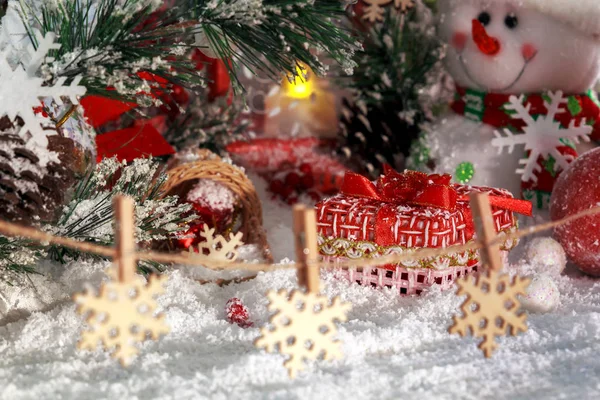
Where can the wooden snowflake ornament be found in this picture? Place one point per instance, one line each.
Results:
(375, 8)
(122, 314)
(492, 307)
(303, 328)
(404, 5)
(217, 248)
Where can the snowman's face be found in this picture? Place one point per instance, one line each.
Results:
(498, 46)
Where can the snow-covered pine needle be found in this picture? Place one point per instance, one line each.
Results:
(114, 44)
(89, 216)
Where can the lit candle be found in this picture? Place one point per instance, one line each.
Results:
(301, 107)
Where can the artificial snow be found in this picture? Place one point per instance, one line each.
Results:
(214, 195)
(394, 347)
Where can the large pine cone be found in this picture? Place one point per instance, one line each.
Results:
(375, 135)
(35, 183)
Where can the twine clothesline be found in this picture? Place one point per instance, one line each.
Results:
(14, 230)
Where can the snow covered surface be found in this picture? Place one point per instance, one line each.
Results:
(394, 347)
(212, 194)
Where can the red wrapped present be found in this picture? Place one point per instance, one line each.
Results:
(403, 212)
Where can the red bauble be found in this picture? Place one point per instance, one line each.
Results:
(576, 190)
(237, 313)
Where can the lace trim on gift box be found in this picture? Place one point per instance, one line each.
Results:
(341, 247)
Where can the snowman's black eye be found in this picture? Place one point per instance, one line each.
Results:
(511, 21)
(485, 18)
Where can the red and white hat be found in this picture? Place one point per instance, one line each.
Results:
(583, 15)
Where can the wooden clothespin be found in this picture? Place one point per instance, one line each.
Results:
(125, 259)
(307, 250)
(114, 310)
(486, 232)
(492, 305)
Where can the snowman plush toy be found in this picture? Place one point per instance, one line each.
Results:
(524, 73)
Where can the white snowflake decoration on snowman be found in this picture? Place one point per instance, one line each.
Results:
(541, 137)
(503, 48)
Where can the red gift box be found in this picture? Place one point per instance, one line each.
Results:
(404, 212)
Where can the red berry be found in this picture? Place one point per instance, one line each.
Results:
(292, 180)
(314, 195)
(276, 186)
(180, 95)
(237, 313)
(306, 169)
(308, 181)
(40, 110)
(292, 200)
(286, 192)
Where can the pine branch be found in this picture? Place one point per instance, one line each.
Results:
(398, 54)
(110, 42)
(89, 216)
(17, 257)
(273, 35)
(209, 125)
(391, 88)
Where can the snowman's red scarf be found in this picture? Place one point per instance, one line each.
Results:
(489, 109)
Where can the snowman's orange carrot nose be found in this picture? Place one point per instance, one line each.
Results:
(487, 44)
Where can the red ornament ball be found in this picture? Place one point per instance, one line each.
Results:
(237, 313)
(576, 190)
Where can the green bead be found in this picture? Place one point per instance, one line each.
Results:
(464, 172)
(420, 155)
(550, 166)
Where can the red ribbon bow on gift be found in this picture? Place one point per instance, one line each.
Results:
(420, 189)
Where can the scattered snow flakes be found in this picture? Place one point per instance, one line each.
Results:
(22, 87)
(542, 136)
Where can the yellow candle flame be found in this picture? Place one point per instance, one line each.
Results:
(301, 86)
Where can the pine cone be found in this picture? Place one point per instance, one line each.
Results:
(375, 135)
(34, 187)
